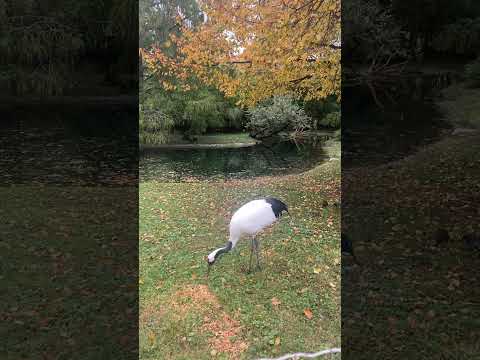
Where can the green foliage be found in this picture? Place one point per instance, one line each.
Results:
(154, 125)
(46, 39)
(278, 114)
(319, 110)
(472, 72)
(461, 37)
(203, 110)
(371, 32)
(194, 113)
(235, 118)
(44, 52)
(332, 120)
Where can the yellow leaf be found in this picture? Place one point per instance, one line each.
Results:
(151, 338)
(277, 341)
(316, 270)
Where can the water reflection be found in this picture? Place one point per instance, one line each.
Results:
(403, 118)
(280, 158)
(51, 145)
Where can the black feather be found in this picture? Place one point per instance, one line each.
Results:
(277, 206)
(346, 244)
(472, 241)
(347, 247)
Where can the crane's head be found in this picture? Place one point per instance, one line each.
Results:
(210, 262)
(215, 254)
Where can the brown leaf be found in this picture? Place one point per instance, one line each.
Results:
(275, 301)
(308, 313)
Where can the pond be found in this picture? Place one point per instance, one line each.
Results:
(70, 145)
(404, 119)
(224, 163)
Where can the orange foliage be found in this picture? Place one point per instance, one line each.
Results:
(253, 49)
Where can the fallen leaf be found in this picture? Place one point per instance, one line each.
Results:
(308, 313)
(316, 270)
(151, 338)
(275, 301)
(277, 341)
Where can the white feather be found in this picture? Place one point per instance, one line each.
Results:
(250, 219)
(211, 256)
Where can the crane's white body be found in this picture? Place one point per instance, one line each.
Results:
(251, 218)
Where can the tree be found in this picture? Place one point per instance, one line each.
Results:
(44, 42)
(255, 49)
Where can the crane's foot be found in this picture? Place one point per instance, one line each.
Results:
(251, 270)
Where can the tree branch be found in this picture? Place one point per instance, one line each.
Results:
(306, 355)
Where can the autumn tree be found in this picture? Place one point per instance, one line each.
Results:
(254, 49)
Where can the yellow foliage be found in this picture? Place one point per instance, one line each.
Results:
(254, 49)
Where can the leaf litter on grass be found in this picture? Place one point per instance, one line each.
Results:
(228, 318)
(224, 331)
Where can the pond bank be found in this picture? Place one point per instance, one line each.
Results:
(197, 146)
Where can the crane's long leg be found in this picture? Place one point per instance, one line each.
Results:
(257, 252)
(251, 255)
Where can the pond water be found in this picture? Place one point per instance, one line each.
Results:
(406, 119)
(222, 163)
(71, 145)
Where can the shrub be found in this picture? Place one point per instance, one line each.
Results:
(278, 114)
(472, 72)
(332, 120)
(154, 126)
(235, 118)
(461, 37)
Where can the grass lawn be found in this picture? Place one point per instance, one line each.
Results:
(419, 300)
(227, 138)
(461, 105)
(292, 305)
(59, 246)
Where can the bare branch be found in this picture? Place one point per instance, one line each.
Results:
(306, 355)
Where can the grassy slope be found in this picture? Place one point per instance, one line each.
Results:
(237, 315)
(422, 298)
(461, 106)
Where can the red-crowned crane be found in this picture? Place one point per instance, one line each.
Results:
(251, 218)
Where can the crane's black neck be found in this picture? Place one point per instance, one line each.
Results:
(277, 206)
(223, 250)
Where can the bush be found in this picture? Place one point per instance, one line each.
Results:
(278, 114)
(472, 72)
(154, 126)
(332, 120)
(461, 37)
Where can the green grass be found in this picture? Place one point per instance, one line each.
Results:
(461, 105)
(416, 297)
(220, 138)
(57, 241)
(235, 315)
